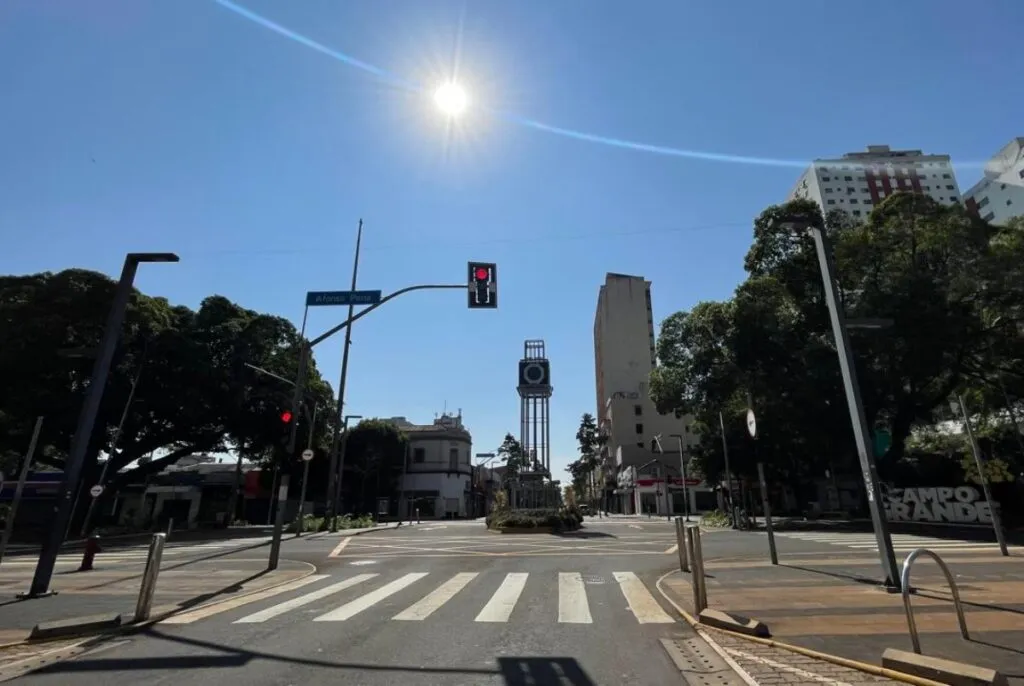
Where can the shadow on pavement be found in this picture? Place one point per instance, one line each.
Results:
(835, 575)
(582, 534)
(515, 671)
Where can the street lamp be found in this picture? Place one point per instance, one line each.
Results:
(958, 408)
(682, 473)
(336, 497)
(853, 399)
(87, 420)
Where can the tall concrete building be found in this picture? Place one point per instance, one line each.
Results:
(858, 181)
(1000, 193)
(624, 355)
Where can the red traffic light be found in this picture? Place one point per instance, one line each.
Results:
(286, 416)
(482, 274)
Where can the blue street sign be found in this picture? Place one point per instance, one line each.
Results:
(321, 298)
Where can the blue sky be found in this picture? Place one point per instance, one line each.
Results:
(180, 125)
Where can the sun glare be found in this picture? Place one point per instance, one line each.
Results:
(450, 99)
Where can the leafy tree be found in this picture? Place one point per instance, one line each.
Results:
(194, 393)
(590, 442)
(937, 272)
(511, 453)
(375, 455)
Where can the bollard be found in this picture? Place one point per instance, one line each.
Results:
(700, 593)
(418, 515)
(684, 560)
(92, 546)
(767, 506)
(170, 526)
(148, 587)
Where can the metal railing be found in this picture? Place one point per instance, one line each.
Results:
(905, 585)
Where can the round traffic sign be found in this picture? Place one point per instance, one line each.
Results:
(307, 455)
(751, 424)
(96, 491)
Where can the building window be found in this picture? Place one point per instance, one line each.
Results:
(638, 410)
(856, 213)
(848, 178)
(983, 202)
(853, 201)
(826, 178)
(453, 458)
(419, 455)
(949, 188)
(639, 428)
(1009, 202)
(831, 202)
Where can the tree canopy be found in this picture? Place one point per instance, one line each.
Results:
(590, 442)
(950, 283)
(194, 393)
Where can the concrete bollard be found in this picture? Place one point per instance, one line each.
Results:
(92, 546)
(700, 594)
(147, 588)
(684, 559)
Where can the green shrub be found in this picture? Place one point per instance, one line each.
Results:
(557, 520)
(716, 519)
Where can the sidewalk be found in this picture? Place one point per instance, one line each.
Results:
(835, 606)
(115, 590)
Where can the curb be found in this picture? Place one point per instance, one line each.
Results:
(827, 657)
(127, 626)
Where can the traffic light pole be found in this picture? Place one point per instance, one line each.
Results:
(299, 389)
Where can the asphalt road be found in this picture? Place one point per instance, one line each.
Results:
(427, 604)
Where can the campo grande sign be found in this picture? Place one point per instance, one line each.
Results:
(960, 505)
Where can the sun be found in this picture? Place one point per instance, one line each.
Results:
(451, 99)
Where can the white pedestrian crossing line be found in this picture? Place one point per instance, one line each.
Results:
(433, 602)
(641, 603)
(303, 600)
(349, 610)
(573, 607)
(499, 607)
(901, 542)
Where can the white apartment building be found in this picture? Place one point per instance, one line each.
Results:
(1000, 193)
(858, 181)
(624, 355)
(437, 470)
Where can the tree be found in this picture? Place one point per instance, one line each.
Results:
(939, 273)
(193, 395)
(582, 470)
(375, 454)
(511, 453)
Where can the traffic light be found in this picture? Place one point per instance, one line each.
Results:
(483, 285)
(286, 417)
(287, 420)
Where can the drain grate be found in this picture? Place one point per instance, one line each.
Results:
(699, 664)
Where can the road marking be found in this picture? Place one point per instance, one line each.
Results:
(340, 547)
(671, 550)
(572, 599)
(294, 603)
(217, 608)
(438, 597)
(499, 607)
(641, 603)
(802, 673)
(349, 610)
(635, 526)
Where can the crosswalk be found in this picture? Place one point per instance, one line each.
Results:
(900, 542)
(131, 554)
(481, 597)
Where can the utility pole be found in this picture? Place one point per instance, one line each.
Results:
(333, 477)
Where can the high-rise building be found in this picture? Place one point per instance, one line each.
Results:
(1000, 193)
(624, 355)
(858, 181)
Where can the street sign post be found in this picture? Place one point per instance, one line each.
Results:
(332, 298)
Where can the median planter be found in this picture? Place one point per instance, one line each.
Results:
(522, 530)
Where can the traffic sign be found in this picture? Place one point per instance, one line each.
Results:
(96, 491)
(328, 298)
(307, 455)
(751, 424)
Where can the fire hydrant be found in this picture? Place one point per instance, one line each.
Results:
(92, 546)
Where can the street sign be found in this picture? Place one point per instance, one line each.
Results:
(329, 298)
(96, 491)
(307, 455)
(751, 424)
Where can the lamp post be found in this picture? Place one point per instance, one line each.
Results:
(958, 407)
(854, 401)
(682, 473)
(87, 420)
(336, 496)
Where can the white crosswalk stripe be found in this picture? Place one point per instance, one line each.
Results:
(463, 596)
(901, 542)
(138, 553)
